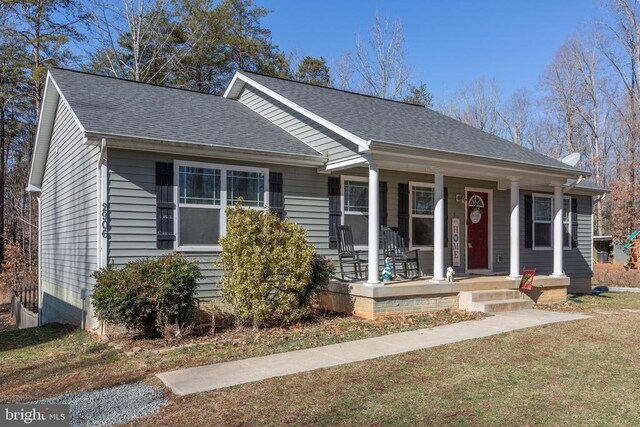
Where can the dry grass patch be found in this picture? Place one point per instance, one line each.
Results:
(574, 373)
(55, 359)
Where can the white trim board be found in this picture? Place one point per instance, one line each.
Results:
(362, 144)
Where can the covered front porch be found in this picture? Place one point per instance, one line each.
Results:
(486, 219)
(477, 218)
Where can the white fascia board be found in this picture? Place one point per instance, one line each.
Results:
(129, 142)
(395, 149)
(362, 144)
(343, 164)
(43, 134)
(52, 94)
(73, 114)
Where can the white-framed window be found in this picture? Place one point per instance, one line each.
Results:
(566, 223)
(355, 208)
(421, 207)
(203, 191)
(542, 221)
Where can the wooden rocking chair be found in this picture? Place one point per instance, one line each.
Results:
(348, 255)
(393, 246)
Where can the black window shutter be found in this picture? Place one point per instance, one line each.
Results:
(276, 196)
(574, 222)
(335, 211)
(528, 221)
(403, 212)
(165, 205)
(446, 217)
(383, 203)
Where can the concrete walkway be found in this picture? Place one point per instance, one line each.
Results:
(220, 375)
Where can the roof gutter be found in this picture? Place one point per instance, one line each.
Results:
(571, 186)
(128, 142)
(453, 157)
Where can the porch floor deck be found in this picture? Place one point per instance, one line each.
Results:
(423, 285)
(410, 297)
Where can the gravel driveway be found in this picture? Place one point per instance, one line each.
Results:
(109, 406)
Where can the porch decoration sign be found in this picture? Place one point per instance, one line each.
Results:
(455, 242)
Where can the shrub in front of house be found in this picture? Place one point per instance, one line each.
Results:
(148, 295)
(270, 272)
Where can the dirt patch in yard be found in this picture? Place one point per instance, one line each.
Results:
(314, 331)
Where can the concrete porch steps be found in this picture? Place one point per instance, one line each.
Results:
(494, 301)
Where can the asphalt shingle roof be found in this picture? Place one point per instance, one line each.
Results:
(107, 105)
(383, 120)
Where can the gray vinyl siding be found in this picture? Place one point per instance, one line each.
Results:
(68, 221)
(334, 146)
(577, 261)
(132, 205)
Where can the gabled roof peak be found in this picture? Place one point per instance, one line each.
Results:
(333, 88)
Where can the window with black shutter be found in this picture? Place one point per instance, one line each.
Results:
(335, 210)
(403, 211)
(528, 221)
(165, 206)
(574, 222)
(276, 196)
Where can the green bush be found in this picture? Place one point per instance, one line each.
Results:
(270, 272)
(148, 294)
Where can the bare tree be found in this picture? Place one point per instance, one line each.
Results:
(380, 60)
(560, 85)
(139, 39)
(476, 104)
(342, 70)
(594, 110)
(516, 116)
(620, 45)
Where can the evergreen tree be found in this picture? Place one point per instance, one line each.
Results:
(314, 70)
(419, 95)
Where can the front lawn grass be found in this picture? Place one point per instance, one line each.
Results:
(55, 359)
(576, 373)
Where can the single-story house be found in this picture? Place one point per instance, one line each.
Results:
(126, 170)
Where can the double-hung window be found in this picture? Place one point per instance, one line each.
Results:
(566, 223)
(542, 221)
(421, 222)
(356, 208)
(204, 191)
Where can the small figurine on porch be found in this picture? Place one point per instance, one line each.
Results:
(387, 271)
(450, 273)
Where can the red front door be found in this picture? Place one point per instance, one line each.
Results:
(477, 230)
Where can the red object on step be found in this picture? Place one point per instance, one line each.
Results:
(527, 279)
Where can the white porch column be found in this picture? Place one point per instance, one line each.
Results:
(438, 230)
(374, 225)
(514, 255)
(558, 233)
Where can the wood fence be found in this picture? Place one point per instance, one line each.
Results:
(24, 306)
